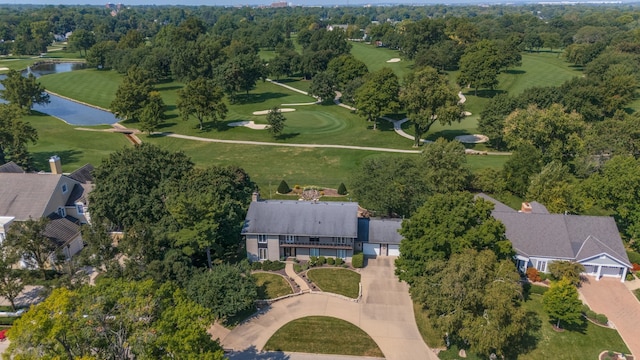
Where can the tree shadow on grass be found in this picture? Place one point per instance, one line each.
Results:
(253, 353)
(579, 328)
(447, 134)
(41, 159)
(258, 98)
(529, 341)
(169, 88)
(515, 72)
(287, 136)
(486, 93)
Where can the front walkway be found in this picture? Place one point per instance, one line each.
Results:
(611, 297)
(385, 313)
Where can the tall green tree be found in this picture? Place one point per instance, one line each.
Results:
(225, 289)
(132, 94)
(139, 172)
(568, 270)
(15, 134)
(428, 97)
(378, 95)
(323, 86)
(562, 304)
(23, 91)
(444, 166)
(346, 68)
(115, 319)
(203, 99)
(391, 186)
(557, 189)
(11, 285)
(276, 121)
(34, 247)
(448, 224)
(525, 162)
(82, 39)
(210, 209)
(152, 113)
(474, 299)
(480, 65)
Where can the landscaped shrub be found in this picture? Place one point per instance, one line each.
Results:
(313, 261)
(342, 190)
(7, 320)
(590, 314)
(297, 268)
(339, 261)
(635, 267)
(602, 319)
(357, 261)
(256, 265)
(634, 257)
(283, 188)
(305, 266)
(273, 265)
(331, 261)
(537, 289)
(533, 275)
(545, 276)
(629, 277)
(322, 260)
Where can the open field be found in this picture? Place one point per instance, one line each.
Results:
(74, 147)
(323, 335)
(583, 343)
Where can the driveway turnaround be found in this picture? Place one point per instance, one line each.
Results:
(612, 298)
(385, 313)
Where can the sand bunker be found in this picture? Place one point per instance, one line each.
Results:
(265, 112)
(466, 113)
(4, 68)
(472, 139)
(393, 60)
(249, 124)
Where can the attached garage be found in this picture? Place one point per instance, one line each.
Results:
(371, 249)
(394, 250)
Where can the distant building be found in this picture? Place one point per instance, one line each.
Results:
(279, 4)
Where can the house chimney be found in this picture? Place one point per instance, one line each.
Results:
(255, 196)
(526, 208)
(56, 165)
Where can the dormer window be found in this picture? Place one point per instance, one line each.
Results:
(80, 208)
(62, 212)
(64, 188)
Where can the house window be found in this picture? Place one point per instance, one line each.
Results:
(314, 252)
(290, 239)
(314, 239)
(341, 240)
(262, 253)
(64, 188)
(62, 212)
(79, 208)
(262, 239)
(541, 266)
(342, 254)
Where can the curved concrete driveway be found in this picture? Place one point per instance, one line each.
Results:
(385, 313)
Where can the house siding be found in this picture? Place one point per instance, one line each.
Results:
(58, 198)
(273, 243)
(252, 247)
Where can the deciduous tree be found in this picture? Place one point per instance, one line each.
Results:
(23, 91)
(15, 134)
(10, 283)
(568, 270)
(378, 95)
(323, 86)
(276, 120)
(428, 97)
(444, 166)
(152, 113)
(132, 94)
(203, 99)
(562, 304)
(29, 240)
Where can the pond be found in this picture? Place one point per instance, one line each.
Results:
(69, 111)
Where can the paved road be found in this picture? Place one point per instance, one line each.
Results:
(612, 298)
(385, 313)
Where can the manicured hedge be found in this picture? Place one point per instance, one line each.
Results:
(357, 261)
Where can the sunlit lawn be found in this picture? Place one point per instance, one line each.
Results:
(338, 281)
(376, 58)
(323, 335)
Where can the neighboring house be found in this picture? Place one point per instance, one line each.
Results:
(59, 197)
(540, 238)
(342, 27)
(276, 229)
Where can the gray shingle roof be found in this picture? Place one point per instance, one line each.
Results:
(385, 231)
(302, 218)
(11, 167)
(538, 208)
(497, 205)
(26, 195)
(61, 230)
(83, 175)
(572, 237)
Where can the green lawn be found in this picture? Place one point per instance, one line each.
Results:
(636, 292)
(271, 286)
(545, 343)
(338, 281)
(323, 335)
(91, 86)
(74, 147)
(376, 59)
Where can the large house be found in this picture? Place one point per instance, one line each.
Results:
(276, 229)
(540, 238)
(59, 197)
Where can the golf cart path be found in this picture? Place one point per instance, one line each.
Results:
(385, 314)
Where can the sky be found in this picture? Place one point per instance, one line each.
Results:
(294, 2)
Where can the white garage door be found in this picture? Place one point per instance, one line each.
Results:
(371, 249)
(394, 250)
